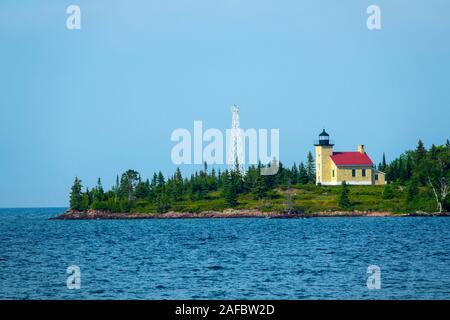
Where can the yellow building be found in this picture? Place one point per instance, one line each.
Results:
(352, 167)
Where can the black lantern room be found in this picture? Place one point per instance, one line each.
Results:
(324, 139)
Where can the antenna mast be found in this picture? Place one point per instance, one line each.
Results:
(235, 159)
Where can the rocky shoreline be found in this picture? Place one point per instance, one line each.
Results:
(229, 213)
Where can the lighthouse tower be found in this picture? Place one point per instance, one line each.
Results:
(324, 150)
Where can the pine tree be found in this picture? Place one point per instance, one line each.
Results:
(294, 174)
(229, 190)
(212, 180)
(310, 168)
(75, 195)
(420, 152)
(142, 190)
(420, 163)
(433, 152)
(98, 192)
(178, 188)
(153, 193)
(302, 174)
(344, 201)
(160, 180)
(259, 187)
(383, 163)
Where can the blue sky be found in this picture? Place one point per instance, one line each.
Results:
(97, 101)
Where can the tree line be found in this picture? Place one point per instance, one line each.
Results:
(161, 192)
(420, 172)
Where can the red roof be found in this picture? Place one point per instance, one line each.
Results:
(351, 159)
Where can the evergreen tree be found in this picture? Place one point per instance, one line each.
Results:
(310, 169)
(160, 180)
(212, 180)
(153, 193)
(98, 192)
(229, 190)
(420, 152)
(142, 190)
(259, 187)
(178, 187)
(294, 174)
(75, 195)
(250, 178)
(281, 175)
(383, 163)
(433, 152)
(344, 201)
(302, 174)
(420, 163)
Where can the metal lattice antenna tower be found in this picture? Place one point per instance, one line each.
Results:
(235, 154)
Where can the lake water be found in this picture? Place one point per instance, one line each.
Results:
(320, 258)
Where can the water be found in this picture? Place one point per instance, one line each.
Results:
(321, 258)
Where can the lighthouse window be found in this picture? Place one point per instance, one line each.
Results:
(363, 172)
(333, 173)
(353, 172)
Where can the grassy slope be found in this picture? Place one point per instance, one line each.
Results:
(310, 198)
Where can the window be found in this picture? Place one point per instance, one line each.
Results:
(333, 173)
(363, 172)
(376, 177)
(353, 172)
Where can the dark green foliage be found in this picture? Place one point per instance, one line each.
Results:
(142, 190)
(420, 151)
(162, 202)
(259, 188)
(412, 191)
(344, 200)
(416, 179)
(302, 174)
(128, 183)
(85, 201)
(178, 187)
(230, 188)
(310, 169)
(426, 168)
(75, 195)
(383, 163)
(388, 192)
